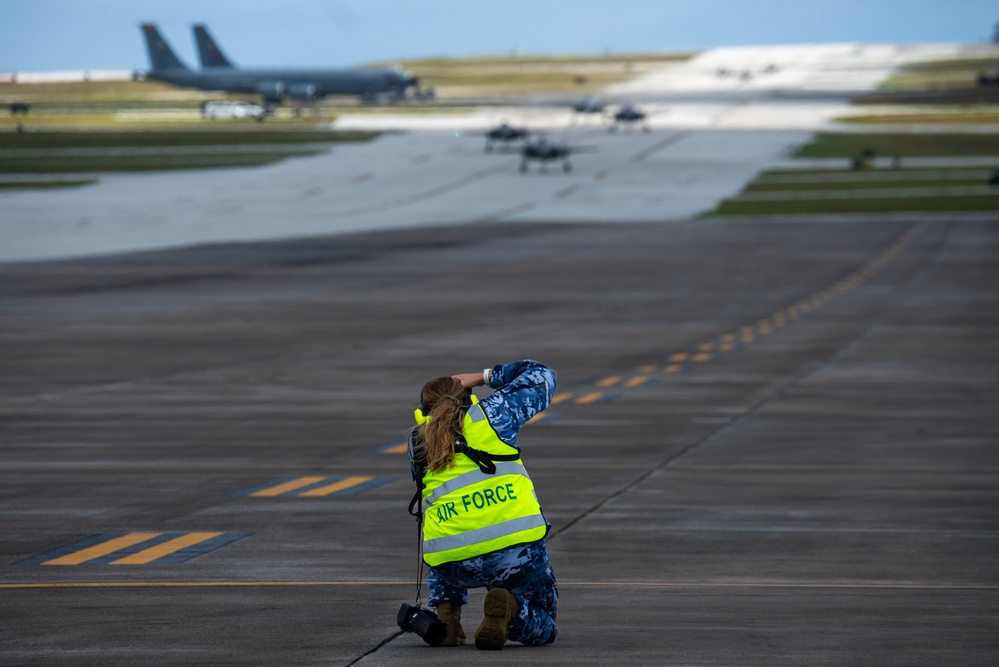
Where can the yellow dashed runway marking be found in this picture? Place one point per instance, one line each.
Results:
(159, 551)
(750, 332)
(287, 487)
(103, 549)
(135, 548)
(589, 398)
(316, 486)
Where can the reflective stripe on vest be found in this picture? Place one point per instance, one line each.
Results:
(470, 513)
(471, 537)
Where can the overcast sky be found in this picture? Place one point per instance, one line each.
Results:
(104, 34)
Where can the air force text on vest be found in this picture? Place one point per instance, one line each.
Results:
(477, 500)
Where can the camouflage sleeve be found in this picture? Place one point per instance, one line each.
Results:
(523, 389)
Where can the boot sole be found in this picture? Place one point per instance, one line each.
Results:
(491, 634)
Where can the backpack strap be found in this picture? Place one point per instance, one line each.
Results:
(485, 460)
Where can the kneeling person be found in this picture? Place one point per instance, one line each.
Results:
(483, 526)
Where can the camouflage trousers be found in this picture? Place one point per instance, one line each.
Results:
(524, 570)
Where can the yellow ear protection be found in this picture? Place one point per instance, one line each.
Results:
(421, 417)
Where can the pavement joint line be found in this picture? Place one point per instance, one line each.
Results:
(570, 583)
(660, 145)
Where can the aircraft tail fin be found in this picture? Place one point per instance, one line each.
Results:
(161, 56)
(208, 50)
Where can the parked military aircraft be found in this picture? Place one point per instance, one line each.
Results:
(588, 105)
(209, 53)
(505, 134)
(544, 151)
(629, 115)
(273, 85)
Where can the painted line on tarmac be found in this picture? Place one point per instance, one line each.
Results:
(392, 448)
(743, 335)
(135, 548)
(594, 584)
(315, 486)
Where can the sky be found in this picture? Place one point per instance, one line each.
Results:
(48, 35)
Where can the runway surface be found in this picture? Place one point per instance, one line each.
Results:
(774, 441)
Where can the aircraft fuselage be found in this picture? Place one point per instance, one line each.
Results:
(275, 85)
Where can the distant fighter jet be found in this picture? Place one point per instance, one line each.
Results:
(588, 105)
(273, 85)
(505, 134)
(629, 115)
(544, 152)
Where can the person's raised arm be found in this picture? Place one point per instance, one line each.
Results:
(522, 390)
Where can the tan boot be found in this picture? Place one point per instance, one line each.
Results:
(500, 608)
(449, 614)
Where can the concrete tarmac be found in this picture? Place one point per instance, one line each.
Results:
(774, 442)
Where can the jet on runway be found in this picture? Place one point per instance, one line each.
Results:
(504, 134)
(545, 151)
(589, 105)
(628, 114)
(273, 85)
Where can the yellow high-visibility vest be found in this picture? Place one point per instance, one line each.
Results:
(469, 512)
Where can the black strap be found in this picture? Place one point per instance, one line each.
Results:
(485, 460)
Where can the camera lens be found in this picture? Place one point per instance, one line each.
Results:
(422, 622)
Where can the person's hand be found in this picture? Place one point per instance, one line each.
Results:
(469, 380)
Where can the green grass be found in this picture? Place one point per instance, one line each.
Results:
(131, 163)
(519, 75)
(38, 162)
(834, 145)
(763, 186)
(914, 171)
(936, 83)
(45, 185)
(254, 133)
(887, 205)
(955, 116)
(871, 181)
(937, 74)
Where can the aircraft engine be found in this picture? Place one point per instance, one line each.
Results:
(304, 92)
(271, 91)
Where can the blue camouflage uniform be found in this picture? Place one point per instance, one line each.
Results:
(522, 390)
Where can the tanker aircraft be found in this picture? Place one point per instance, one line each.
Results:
(273, 85)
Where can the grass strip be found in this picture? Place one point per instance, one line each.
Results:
(830, 145)
(45, 185)
(893, 205)
(253, 134)
(762, 186)
(974, 115)
(955, 73)
(851, 175)
(128, 163)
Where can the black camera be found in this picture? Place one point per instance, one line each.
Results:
(423, 622)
